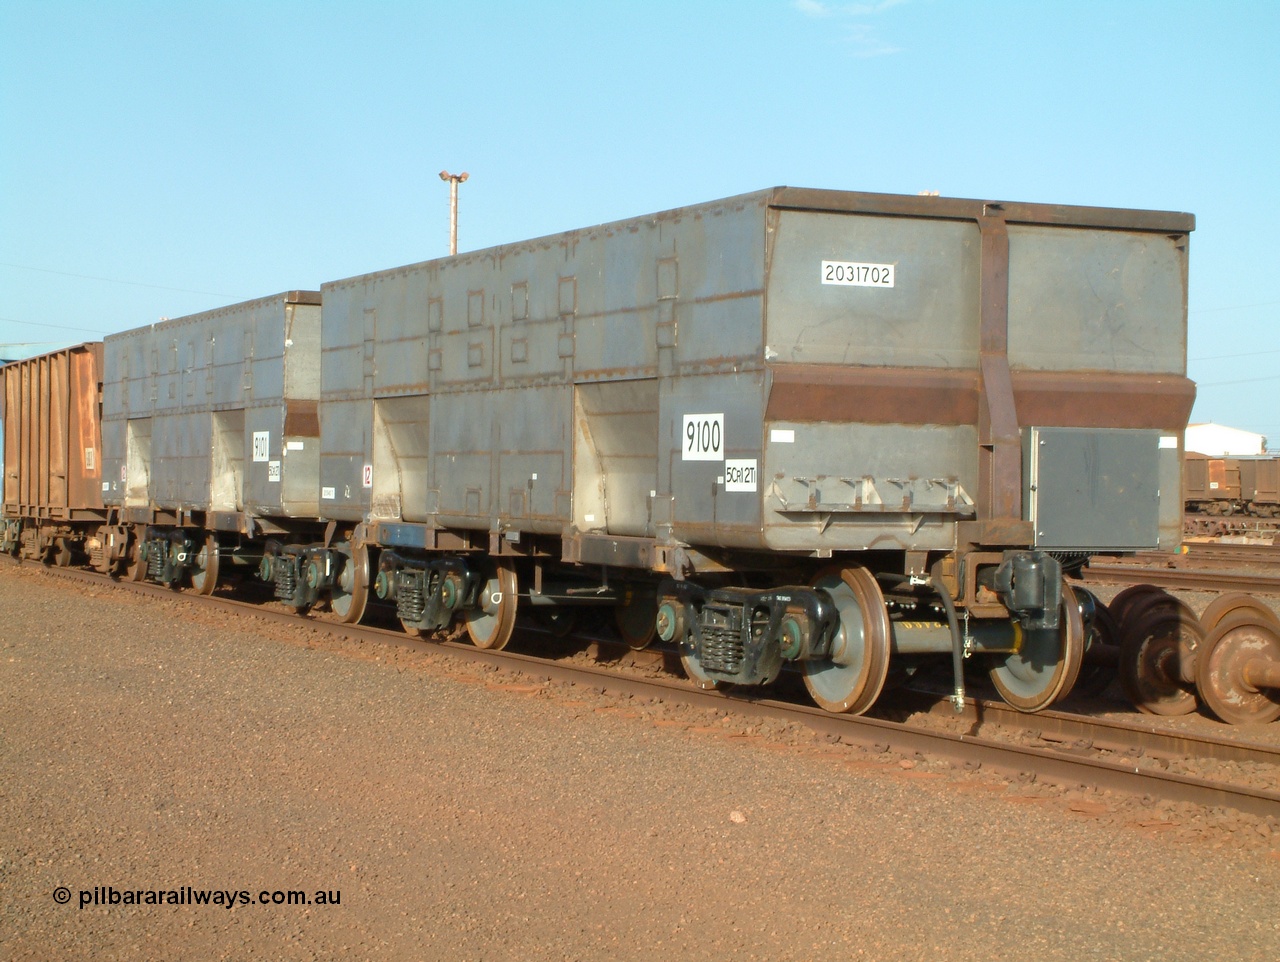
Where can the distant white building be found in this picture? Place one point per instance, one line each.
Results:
(1217, 440)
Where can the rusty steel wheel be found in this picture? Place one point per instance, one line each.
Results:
(692, 664)
(1123, 603)
(559, 621)
(853, 677)
(62, 553)
(491, 624)
(1230, 603)
(204, 573)
(1238, 669)
(136, 570)
(1158, 660)
(349, 597)
(637, 618)
(1097, 672)
(1045, 666)
(1143, 605)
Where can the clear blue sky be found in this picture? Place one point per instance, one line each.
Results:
(162, 158)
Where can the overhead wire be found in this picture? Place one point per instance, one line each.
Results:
(60, 327)
(1243, 380)
(116, 280)
(1233, 307)
(1224, 357)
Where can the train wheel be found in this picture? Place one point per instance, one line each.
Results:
(1097, 673)
(491, 624)
(559, 621)
(204, 574)
(1148, 605)
(1238, 669)
(351, 594)
(1157, 659)
(692, 665)
(1230, 603)
(637, 619)
(853, 677)
(1046, 664)
(136, 570)
(62, 553)
(1127, 599)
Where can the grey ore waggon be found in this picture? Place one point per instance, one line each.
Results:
(846, 431)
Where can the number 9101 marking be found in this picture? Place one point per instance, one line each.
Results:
(851, 274)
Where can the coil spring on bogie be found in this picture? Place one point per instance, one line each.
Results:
(286, 572)
(411, 596)
(722, 649)
(156, 559)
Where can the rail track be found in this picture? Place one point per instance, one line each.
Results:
(1135, 758)
(1209, 567)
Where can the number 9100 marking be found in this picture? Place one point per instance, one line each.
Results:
(703, 437)
(852, 274)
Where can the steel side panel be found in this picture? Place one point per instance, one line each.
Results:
(1087, 299)
(535, 461)
(180, 461)
(345, 447)
(114, 443)
(262, 495)
(11, 375)
(465, 436)
(51, 445)
(584, 305)
(705, 512)
(927, 319)
(84, 483)
(901, 474)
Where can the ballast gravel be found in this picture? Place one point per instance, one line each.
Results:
(449, 812)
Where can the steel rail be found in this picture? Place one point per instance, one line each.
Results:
(1106, 734)
(873, 734)
(1201, 553)
(1190, 579)
(1266, 554)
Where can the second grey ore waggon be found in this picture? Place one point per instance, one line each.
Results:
(850, 432)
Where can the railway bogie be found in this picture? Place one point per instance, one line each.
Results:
(841, 432)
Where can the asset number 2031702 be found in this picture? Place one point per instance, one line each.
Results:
(852, 274)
